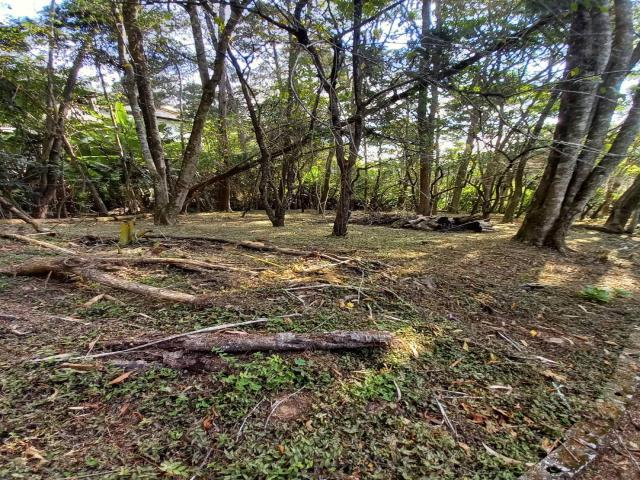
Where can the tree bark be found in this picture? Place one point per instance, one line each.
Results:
(424, 124)
(286, 341)
(583, 183)
(624, 208)
(146, 102)
(53, 145)
(578, 87)
(463, 164)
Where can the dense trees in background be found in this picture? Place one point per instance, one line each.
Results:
(526, 109)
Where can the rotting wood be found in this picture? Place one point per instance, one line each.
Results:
(38, 243)
(86, 270)
(184, 263)
(473, 223)
(242, 342)
(6, 203)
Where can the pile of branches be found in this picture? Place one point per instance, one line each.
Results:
(473, 223)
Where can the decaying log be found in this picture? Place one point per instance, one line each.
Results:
(37, 243)
(86, 270)
(472, 223)
(242, 342)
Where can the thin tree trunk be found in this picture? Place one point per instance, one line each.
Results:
(326, 182)
(145, 99)
(424, 122)
(463, 165)
(624, 208)
(14, 209)
(53, 146)
(77, 165)
(518, 184)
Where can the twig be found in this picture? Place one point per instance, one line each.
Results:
(445, 417)
(244, 421)
(629, 454)
(280, 402)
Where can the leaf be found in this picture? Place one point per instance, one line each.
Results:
(465, 346)
(533, 333)
(504, 459)
(33, 453)
(547, 445)
(121, 378)
(455, 363)
(465, 447)
(554, 376)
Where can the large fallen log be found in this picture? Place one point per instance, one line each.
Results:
(473, 223)
(37, 243)
(85, 269)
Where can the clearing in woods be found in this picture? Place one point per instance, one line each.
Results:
(499, 348)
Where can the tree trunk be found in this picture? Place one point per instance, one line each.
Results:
(53, 145)
(326, 182)
(95, 193)
(624, 208)
(424, 122)
(583, 182)
(146, 102)
(463, 165)
(6, 203)
(579, 85)
(518, 184)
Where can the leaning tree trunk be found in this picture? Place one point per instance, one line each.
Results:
(578, 87)
(624, 208)
(518, 190)
(53, 145)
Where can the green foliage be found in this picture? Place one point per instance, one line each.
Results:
(603, 294)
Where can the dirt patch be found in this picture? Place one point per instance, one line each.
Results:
(290, 408)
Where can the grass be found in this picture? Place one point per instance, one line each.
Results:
(471, 340)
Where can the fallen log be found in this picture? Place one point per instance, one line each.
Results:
(242, 342)
(6, 203)
(37, 243)
(473, 223)
(86, 270)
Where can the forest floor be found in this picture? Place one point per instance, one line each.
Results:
(486, 377)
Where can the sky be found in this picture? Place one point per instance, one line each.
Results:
(20, 8)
